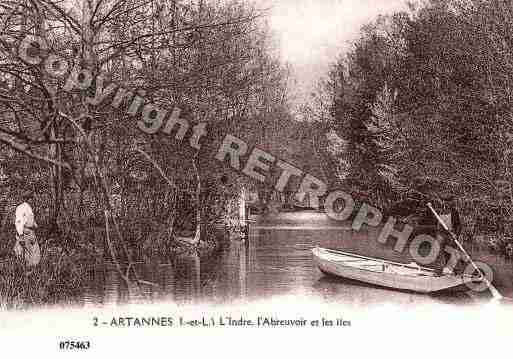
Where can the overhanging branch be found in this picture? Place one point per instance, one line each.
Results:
(24, 149)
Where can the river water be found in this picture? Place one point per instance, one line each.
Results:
(276, 260)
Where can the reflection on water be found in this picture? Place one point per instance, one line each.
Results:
(276, 260)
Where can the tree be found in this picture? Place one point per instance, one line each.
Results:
(211, 60)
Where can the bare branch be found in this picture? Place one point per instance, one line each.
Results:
(24, 149)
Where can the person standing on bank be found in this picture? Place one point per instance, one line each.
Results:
(26, 247)
(453, 222)
(455, 216)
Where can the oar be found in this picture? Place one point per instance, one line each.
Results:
(496, 294)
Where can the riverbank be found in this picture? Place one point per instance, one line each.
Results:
(59, 278)
(275, 260)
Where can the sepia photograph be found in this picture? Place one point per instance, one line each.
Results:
(274, 177)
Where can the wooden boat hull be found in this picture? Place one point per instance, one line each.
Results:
(409, 277)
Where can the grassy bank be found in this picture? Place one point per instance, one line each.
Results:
(56, 280)
(61, 277)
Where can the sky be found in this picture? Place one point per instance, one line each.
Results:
(311, 33)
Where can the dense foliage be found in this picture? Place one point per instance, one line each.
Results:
(211, 59)
(424, 96)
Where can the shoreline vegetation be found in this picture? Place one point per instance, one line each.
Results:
(60, 277)
(123, 196)
(67, 254)
(421, 104)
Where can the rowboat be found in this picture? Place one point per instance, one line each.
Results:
(384, 273)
